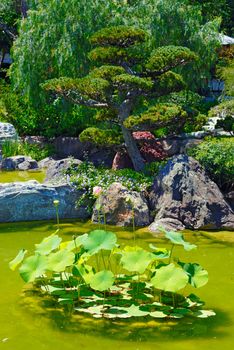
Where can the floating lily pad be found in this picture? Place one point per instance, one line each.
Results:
(170, 278)
(17, 260)
(204, 313)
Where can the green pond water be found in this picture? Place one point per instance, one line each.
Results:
(12, 176)
(28, 321)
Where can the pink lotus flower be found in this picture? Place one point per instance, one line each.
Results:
(97, 191)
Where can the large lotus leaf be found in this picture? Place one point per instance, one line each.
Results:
(198, 277)
(99, 239)
(48, 244)
(58, 261)
(177, 238)
(33, 267)
(102, 280)
(136, 261)
(17, 260)
(75, 243)
(170, 278)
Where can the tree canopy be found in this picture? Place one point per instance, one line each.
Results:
(125, 77)
(53, 40)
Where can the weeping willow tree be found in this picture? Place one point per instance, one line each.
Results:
(125, 79)
(53, 40)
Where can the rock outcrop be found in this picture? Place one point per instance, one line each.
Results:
(18, 163)
(56, 170)
(115, 207)
(28, 201)
(183, 196)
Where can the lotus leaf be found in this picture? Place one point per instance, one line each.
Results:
(48, 244)
(17, 260)
(136, 261)
(98, 240)
(58, 261)
(177, 238)
(170, 278)
(33, 267)
(102, 280)
(198, 277)
(85, 271)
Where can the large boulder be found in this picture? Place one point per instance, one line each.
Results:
(183, 196)
(115, 207)
(7, 133)
(19, 163)
(56, 170)
(27, 201)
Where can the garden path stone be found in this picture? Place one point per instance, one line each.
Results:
(182, 191)
(29, 201)
(116, 203)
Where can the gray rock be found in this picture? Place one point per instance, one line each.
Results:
(116, 204)
(7, 133)
(27, 201)
(19, 163)
(46, 162)
(182, 191)
(56, 169)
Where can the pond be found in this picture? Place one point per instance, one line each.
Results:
(12, 176)
(28, 321)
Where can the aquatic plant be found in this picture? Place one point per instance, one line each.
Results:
(92, 274)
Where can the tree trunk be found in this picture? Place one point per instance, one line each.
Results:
(132, 149)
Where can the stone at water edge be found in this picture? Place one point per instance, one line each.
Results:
(29, 201)
(183, 193)
(7, 133)
(18, 163)
(116, 203)
(56, 168)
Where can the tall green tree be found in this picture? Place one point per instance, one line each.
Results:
(53, 40)
(124, 80)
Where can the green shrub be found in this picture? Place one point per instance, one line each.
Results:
(87, 176)
(10, 149)
(217, 156)
(225, 111)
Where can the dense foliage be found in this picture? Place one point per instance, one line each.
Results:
(50, 120)
(53, 41)
(10, 149)
(94, 275)
(216, 155)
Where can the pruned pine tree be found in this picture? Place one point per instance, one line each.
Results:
(124, 79)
